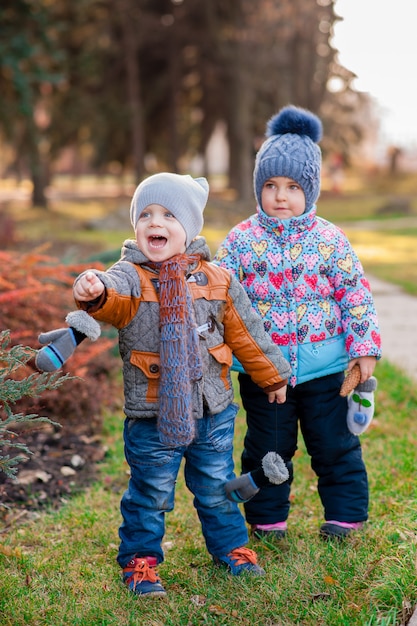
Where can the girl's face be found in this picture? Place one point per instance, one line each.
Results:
(283, 198)
(159, 234)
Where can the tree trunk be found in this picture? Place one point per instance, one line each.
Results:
(133, 87)
(37, 167)
(173, 91)
(239, 125)
(39, 198)
(240, 139)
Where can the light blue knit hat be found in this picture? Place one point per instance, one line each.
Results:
(291, 150)
(184, 196)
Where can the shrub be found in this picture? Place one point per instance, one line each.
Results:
(35, 296)
(11, 391)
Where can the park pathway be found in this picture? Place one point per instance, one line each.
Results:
(397, 313)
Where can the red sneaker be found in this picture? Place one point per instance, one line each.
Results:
(239, 561)
(140, 577)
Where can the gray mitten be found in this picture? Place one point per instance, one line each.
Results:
(61, 343)
(361, 406)
(273, 471)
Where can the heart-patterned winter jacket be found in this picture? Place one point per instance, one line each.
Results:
(307, 284)
(225, 320)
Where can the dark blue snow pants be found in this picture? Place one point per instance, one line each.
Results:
(336, 454)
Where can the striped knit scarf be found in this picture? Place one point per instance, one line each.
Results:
(180, 360)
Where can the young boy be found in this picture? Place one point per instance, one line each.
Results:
(180, 318)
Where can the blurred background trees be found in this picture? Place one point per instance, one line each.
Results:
(135, 86)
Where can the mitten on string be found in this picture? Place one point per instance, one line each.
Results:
(273, 471)
(61, 342)
(361, 406)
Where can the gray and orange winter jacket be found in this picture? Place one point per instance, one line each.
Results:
(226, 325)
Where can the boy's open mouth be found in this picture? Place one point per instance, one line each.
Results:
(156, 241)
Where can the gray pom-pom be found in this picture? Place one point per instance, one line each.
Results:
(84, 323)
(274, 468)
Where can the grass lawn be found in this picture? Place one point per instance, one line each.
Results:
(389, 255)
(59, 568)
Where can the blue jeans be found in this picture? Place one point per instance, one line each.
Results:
(150, 494)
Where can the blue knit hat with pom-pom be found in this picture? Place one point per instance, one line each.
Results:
(291, 150)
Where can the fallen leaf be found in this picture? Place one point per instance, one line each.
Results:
(8, 551)
(27, 477)
(329, 580)
(217, 610)
(66, 470)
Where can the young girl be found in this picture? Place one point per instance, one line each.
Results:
(306, 282)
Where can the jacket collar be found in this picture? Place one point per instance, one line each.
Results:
(292, 226)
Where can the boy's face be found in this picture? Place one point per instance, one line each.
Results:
(283, 198)
(159, 234)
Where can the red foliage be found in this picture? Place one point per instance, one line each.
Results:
(35, 297)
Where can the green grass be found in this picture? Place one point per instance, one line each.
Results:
(390, 255)
(59, 568)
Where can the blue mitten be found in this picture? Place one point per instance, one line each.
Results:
(361, 406)
(61, 343)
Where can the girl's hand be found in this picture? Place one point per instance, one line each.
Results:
(367, 365)
(88, 287)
